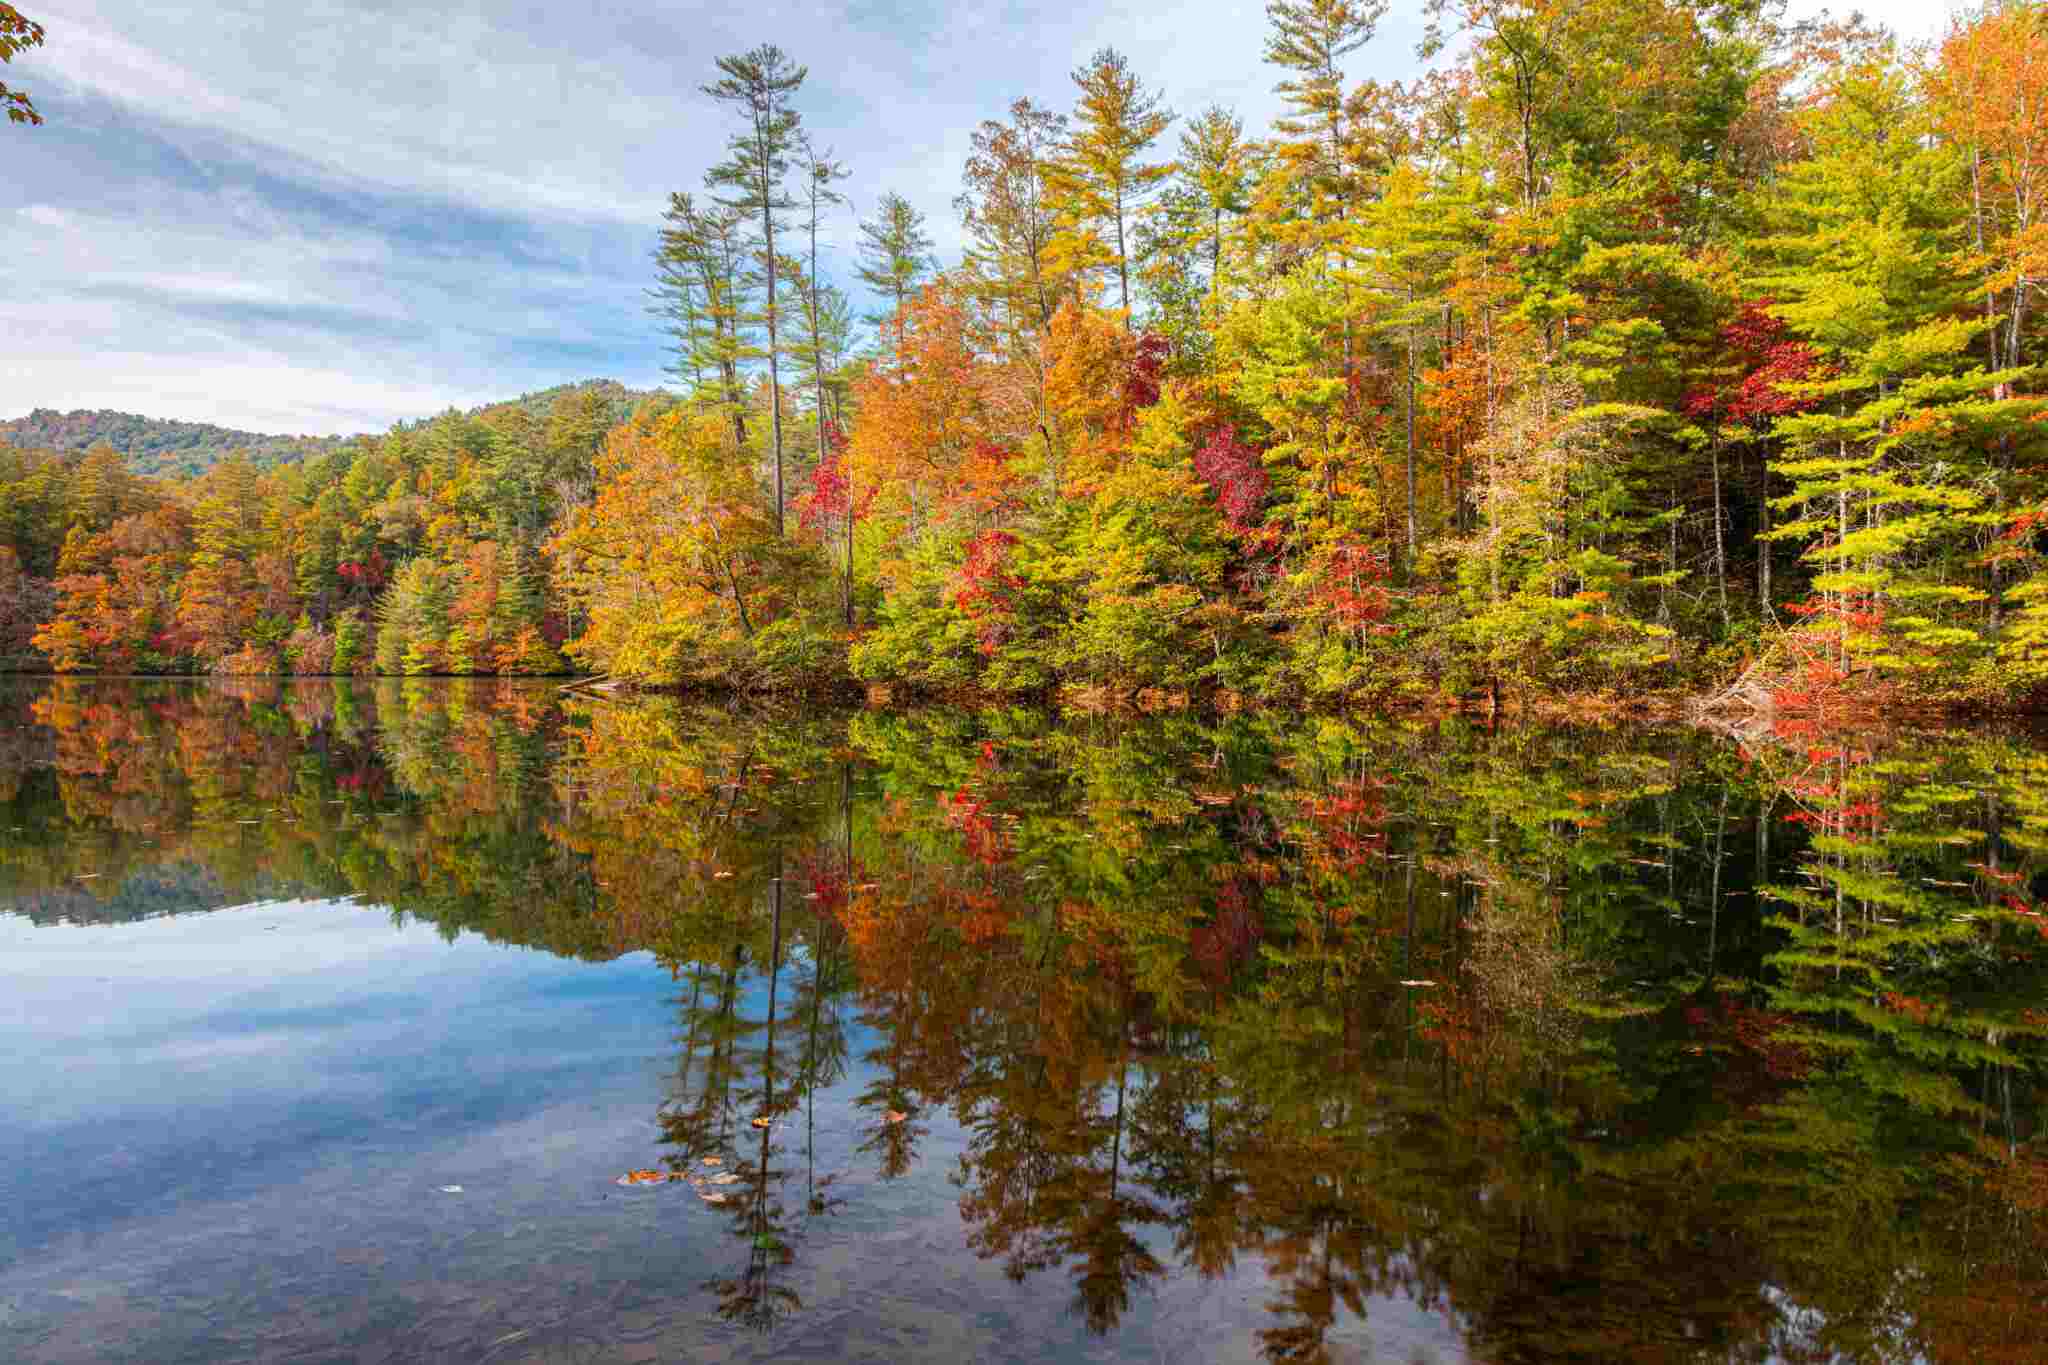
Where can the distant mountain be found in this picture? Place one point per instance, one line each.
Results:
(162, 447)
(623, 400)
(157, 445)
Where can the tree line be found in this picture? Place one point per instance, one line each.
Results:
(155, 445)
(1625, 347)
(421, 551)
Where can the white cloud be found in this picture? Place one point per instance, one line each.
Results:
(45, 216)
(452, 199)
(258, 392)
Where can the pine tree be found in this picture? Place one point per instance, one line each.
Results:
(705, 291)
(758, 85)
(1310, 39)
(1216, 169)
(1100, 174)
(823, 341)
(1864, 268)
(895, 255)
(820, 174)
(1409, 241)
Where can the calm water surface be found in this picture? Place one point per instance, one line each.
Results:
(331, 1015)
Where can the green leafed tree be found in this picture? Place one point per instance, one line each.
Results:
(757, 87)
(895, 255)
(704, 288)
(820, 176)
(1101, 174)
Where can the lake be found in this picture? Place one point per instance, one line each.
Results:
(333, 1014)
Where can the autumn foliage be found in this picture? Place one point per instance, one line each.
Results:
(1630, 350)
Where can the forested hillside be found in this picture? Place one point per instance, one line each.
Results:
(165, 448)
(1628, 347)
(244, 569)
(155, 445)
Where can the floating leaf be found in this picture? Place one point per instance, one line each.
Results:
(896, 1116)
(763, 1122)
(714, 1161)
(711, 1197)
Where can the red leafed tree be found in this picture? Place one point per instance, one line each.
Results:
(1763, 357)
(986, 842)
(1148, 370)
(985, 589)
(1231, 934)
(365, 576)
(828, 499)
(1234, 473)
(1350, 581)
(828, 508)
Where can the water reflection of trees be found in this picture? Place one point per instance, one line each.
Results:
(1599, 1045)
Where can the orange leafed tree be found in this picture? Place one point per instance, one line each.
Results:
(215, 608)
(931, 439)
(117, 592)
(18, 32)
(1989, 82)
(676, 564)
(1098, 374)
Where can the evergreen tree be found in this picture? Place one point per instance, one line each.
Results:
(823, 341)
(820, 174)
(1864, 266)
(1100, 175)
(895, 255)
(757, 85)
(1309, 39)
(704, 289)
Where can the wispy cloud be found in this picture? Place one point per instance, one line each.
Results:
(326, 215)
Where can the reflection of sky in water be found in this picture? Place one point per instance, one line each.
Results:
(226, 1134)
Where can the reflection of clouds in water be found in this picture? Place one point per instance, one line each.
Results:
(1184, 1147)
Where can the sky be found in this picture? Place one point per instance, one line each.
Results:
(324, 216)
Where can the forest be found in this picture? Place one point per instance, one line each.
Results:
(1636, 349)
(153, 445)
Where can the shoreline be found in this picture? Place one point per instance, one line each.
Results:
(1709, 709)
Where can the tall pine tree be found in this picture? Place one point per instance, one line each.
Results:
(757, 86)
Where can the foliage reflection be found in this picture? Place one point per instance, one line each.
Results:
(1645, 1045)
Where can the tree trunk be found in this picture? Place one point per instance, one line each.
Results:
(1842, 598)
(1123, 267)
(1215, 253)
(1763, 544)
(1411, 439)
(817, 333)
(1720, 543)
(774, 344)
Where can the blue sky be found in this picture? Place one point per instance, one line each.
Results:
(326, 215)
